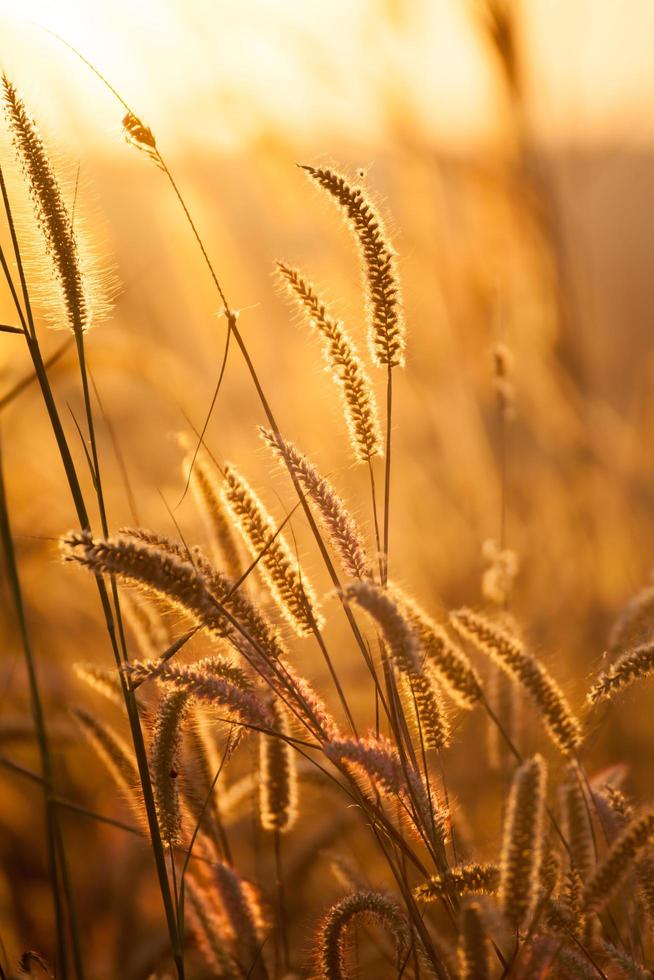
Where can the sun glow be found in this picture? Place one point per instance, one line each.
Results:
(310, 70)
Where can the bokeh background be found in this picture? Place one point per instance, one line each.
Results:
(514, 168)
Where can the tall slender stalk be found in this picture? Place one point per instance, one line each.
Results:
(51, 816)
(83, 517)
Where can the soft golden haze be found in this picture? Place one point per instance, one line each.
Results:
(326, 509)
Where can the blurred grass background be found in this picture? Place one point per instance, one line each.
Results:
(517, 179)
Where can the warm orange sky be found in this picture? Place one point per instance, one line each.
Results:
(211, 70)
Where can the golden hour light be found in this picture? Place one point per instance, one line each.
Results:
(326, 521)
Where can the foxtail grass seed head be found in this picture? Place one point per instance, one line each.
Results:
(205, 487)
(577, 823)
(287, 585)
(186, 582)
(102, 679)
(278, 776)
(498, 579)
(209, 929)
(522, 842)
(152, 636)
(140, 136)
(424, 698)
(386, 611)
(386, 330)
(619, 861)
(631, 666)
(345, 365)
(461, 880)
(79, 291)
(474, 948)
(508, 653)
(309, 705)
(450, 663)
(343, 531)
(165, 762)
(213, 680)
(111, 749)
(372, 906)
(242, 907)
(634, 627)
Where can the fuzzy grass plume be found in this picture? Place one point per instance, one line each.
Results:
(343, 531)
(278, 776)
(205, 487)
(165, 762)
(387, 613)
(368, 905)
(460, 880)
(345, 365)
(111, 748)
(631, 666)
(619, 861)
(279, 568)
(509, 654)
(451, 664)
(386, 333)
(473, 953)
(522, 842)
(79, 292)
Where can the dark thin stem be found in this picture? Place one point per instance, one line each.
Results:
(82, 514)
(375, 518)
(39, 722)
(281, 901)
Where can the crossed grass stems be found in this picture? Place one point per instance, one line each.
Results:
(390, 838)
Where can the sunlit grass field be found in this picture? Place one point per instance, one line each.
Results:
(326, 508)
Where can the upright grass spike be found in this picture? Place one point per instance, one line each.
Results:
(278, 776)
(474, 948)
(165, 755)
(359, 401)
(367, 905)
(509, 654)
(79, 292)
(287, 585)
(522, 842)
(578, 824)
(385, 315)
(399, 635)
(342, 529)
(209, 929)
